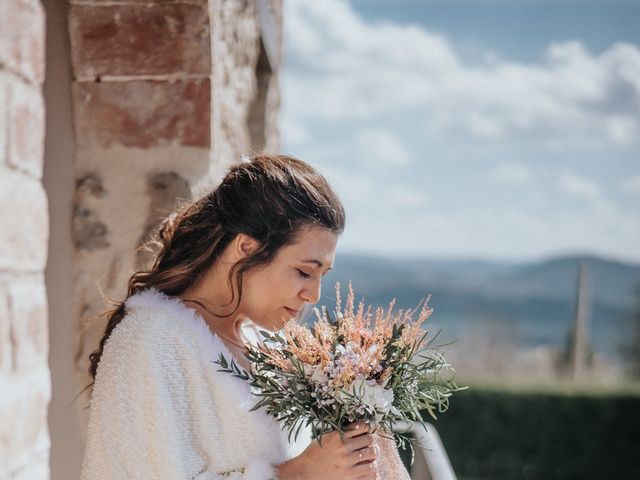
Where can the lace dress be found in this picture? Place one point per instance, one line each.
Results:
(390, 465)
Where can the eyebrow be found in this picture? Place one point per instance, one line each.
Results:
(317, 262)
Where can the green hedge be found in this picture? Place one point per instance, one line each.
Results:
(505, 434)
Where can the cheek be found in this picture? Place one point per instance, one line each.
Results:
(270, 291)
(284, 286)
(264, 297)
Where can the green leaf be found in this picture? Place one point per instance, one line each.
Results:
(265, 334)
(223, 361)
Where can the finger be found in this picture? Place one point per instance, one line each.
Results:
(355, 429)
(369, 476)
(361, 441)
(365, 470)
(366, 454)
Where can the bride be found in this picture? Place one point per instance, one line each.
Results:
(250, 253)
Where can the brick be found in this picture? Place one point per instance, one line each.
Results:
(142, 113)
(25, 134)
(131, 39)
(25, 227)
(22, 24)
(27, 302)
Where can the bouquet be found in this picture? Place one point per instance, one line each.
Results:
(379, 368)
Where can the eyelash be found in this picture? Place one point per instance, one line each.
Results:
(302, 274)
(307, 275)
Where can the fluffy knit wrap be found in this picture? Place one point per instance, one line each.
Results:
(160, 409)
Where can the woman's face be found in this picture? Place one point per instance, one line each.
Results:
(277, 293)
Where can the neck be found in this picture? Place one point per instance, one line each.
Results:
(212, 297)
(242, 346)
(217, 325)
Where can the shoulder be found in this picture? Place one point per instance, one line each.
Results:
(152, 309)
(154, 313)
(160, 325)
(155, 327)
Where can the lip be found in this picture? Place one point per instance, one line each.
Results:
(292, 312)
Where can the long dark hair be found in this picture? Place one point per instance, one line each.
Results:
(268, 197)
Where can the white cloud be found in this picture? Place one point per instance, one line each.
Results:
(512, 174)
(631, 184)
(379, 146)
(579, 186)
(342, 74)
(341, 67)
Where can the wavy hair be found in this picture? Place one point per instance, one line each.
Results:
(268, 197)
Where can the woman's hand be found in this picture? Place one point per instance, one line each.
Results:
(351, 459)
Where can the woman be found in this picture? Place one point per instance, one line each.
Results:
(253, 251)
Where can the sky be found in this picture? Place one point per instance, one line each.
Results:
(502, 130)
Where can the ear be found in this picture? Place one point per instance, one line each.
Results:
(244, 245)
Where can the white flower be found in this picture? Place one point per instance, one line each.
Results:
(371, 395)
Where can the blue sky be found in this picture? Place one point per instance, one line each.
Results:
(495, 129)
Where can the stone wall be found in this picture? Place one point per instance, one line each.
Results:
(165, 95)
(141, 98)
(24, 373)
(246, 94)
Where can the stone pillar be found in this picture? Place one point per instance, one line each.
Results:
(165, 95)
(141, 98)
(246, 93)
(25, 386)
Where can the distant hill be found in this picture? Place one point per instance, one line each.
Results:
(610, 282)
(537, 297)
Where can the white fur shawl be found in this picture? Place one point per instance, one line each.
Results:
(160, 408)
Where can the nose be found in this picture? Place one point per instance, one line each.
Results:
(312, 294)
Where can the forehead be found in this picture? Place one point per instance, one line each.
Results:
(314, 243)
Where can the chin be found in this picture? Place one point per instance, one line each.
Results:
(272, 326)
(280, 325)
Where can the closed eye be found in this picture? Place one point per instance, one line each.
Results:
(305, 275)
